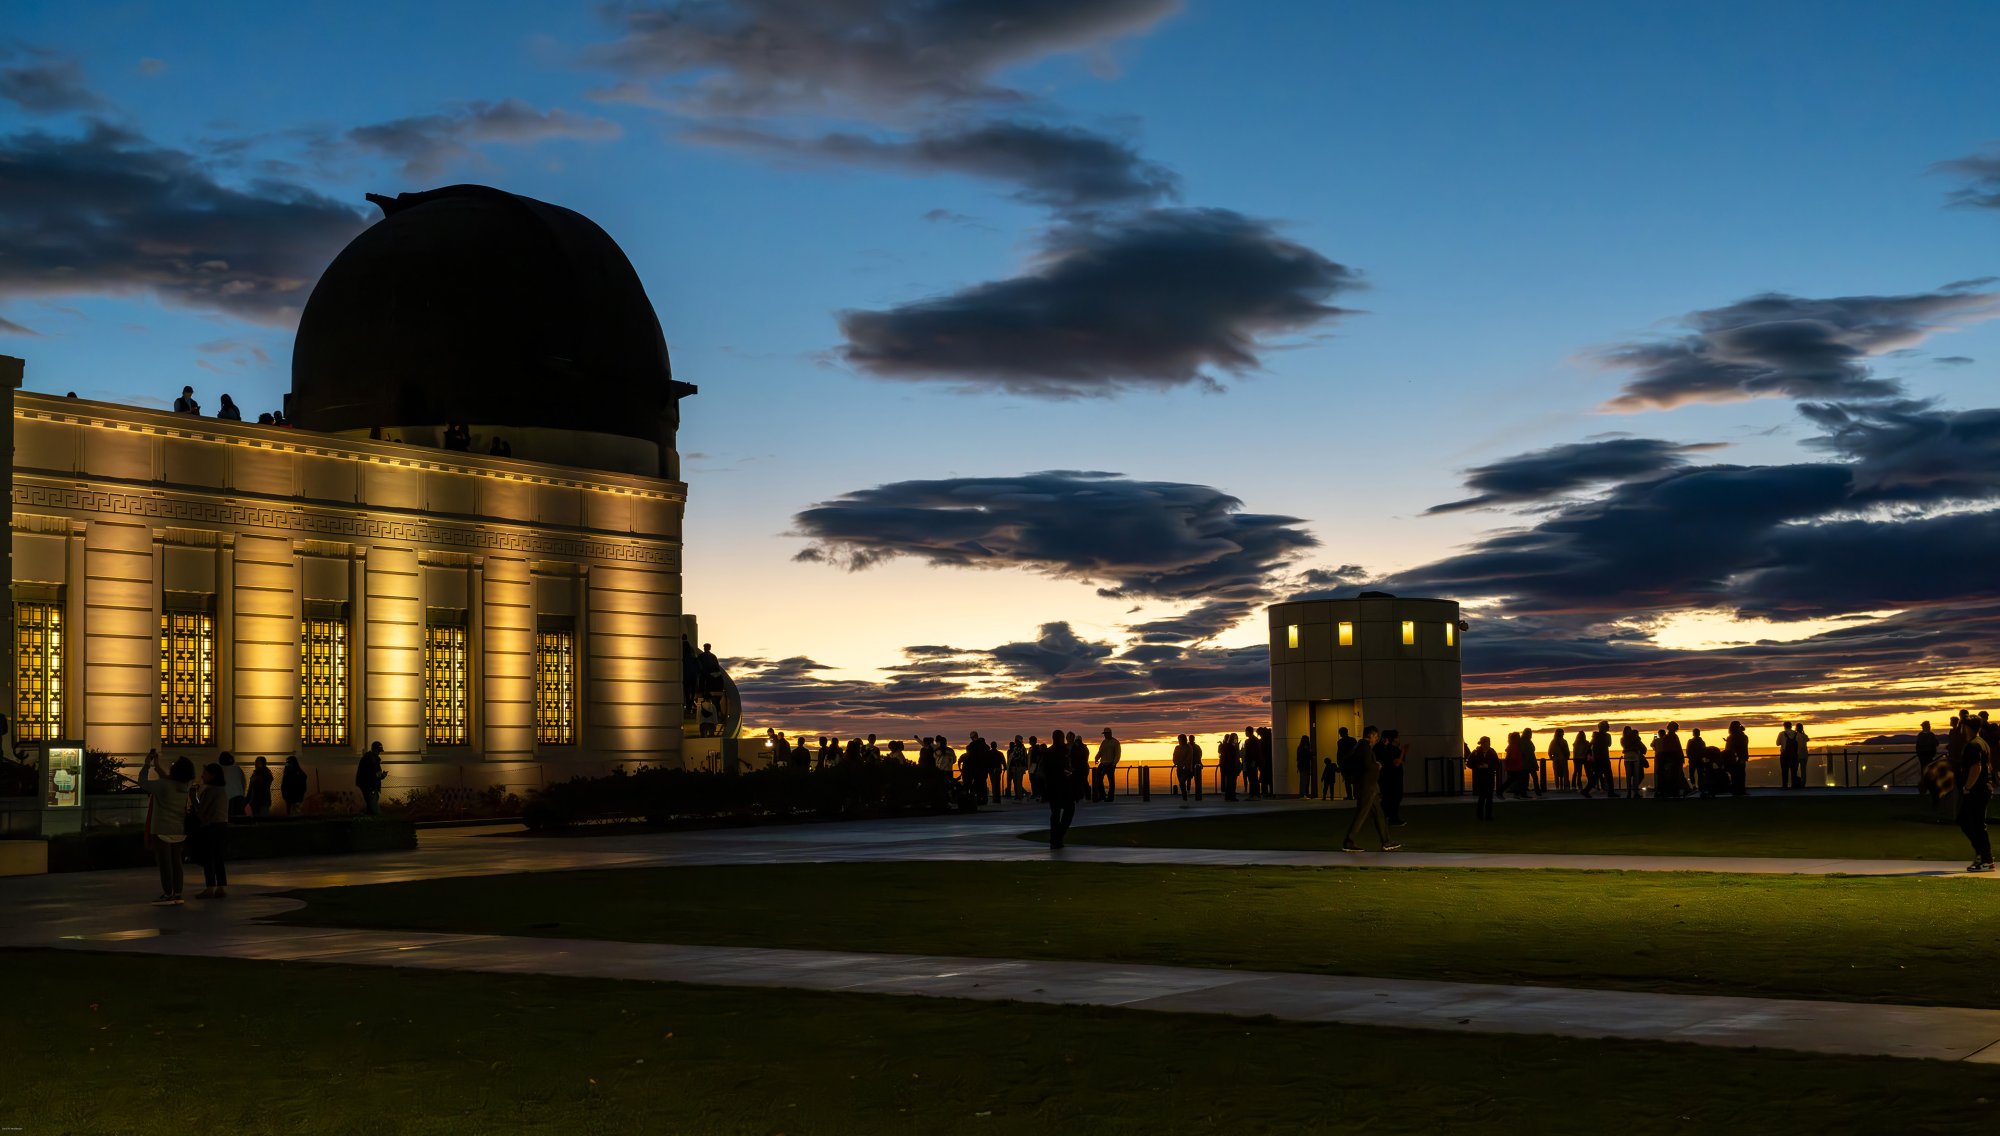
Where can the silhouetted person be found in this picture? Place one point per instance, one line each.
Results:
(1057, 788)
(1516, 767)
(292, 785)
(1634, 749)
(1559, 757)
(500, 448)
(186, 404)
(1600, 762)
(1229, 764)
(457, 436)
(1104, 783)
(1343, 759)
(1306, 759)
(1369, 799)
(1266, 748)
(227, 412)
(1485, 766)
(1328, 775)
(167, 820)
(235, 789)
(368, 778)
(1927, 750)
(1253, 776)
(1538, 778)
(1017, 768)
(264, 419)
(210, 813)
(260, 789)
(1736, 759)
(1974, 774)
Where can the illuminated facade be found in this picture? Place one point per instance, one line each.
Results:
(1375, 660)
(508, 617)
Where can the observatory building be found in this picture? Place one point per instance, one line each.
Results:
(1375, 660)
(496, 603)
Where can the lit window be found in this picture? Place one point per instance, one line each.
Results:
(1292, 636)
(555, 684)
(323, 676)
(187, 677)
(1409, 634)
(1451, 635)
(38, 671)
(1347, 635)
(446, 679)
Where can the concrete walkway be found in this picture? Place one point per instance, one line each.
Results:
(107, 911)
(1859, 1029)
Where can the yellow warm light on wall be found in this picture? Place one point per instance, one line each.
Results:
(1409, 633)
(1347, 635)
(1292, 636)
(1450, 635)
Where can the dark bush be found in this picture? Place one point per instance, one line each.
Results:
(662, 796)
(124, 846)
(104, 775)
(450, 802)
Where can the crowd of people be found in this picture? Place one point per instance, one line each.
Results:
(1596, 763)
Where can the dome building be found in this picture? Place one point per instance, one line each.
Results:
(466, 544)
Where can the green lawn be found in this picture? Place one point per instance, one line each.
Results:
(1861, 939)
(132, 1044)
(1881, 826)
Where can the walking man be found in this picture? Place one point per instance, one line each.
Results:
(1975, 788)
(1485, 766)
(1369, 797)
(1057, 788)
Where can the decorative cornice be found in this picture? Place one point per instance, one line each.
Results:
(30, 406)
(295, 520)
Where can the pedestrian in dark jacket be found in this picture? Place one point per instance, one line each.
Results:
(292, 786)
(210, 815)
(368, 778)
(1058, 787)
(260, 789)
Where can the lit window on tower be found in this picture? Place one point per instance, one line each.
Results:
(1450, 635)
(446, 680)
(1292, 636)
(323, 676)
(1347, 634)
(1409, 633)
(187, 677)
(38, 671)
(555, 684)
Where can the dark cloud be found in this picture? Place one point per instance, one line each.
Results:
(1143, 539)
(429, 143)
(759, 56)
(1557, 470)
(1981, 175)
(110, 212)
(9, 327)
(1057, 649)
(1064, 168)
(1912, 450)
(1954, 360)
(1790, 346)
(1200, 624)
(1833, 568)
(44, 82)
(1165, 298)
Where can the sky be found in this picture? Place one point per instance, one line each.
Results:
(1042, 343)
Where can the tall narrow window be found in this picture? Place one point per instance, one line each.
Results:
(1409, 633)
(1347, 635)
(38, 670)
(1451, 634)
(323, 675)
(446, 680)
(555, 682)
(1292, 636)
(187, 673)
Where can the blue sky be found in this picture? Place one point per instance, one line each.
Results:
(1519, 187)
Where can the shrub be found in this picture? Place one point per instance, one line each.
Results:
(659, 796)
(104, 775)
(452, 802)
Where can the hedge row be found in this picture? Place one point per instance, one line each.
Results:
(659, 796)
(124, 846)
